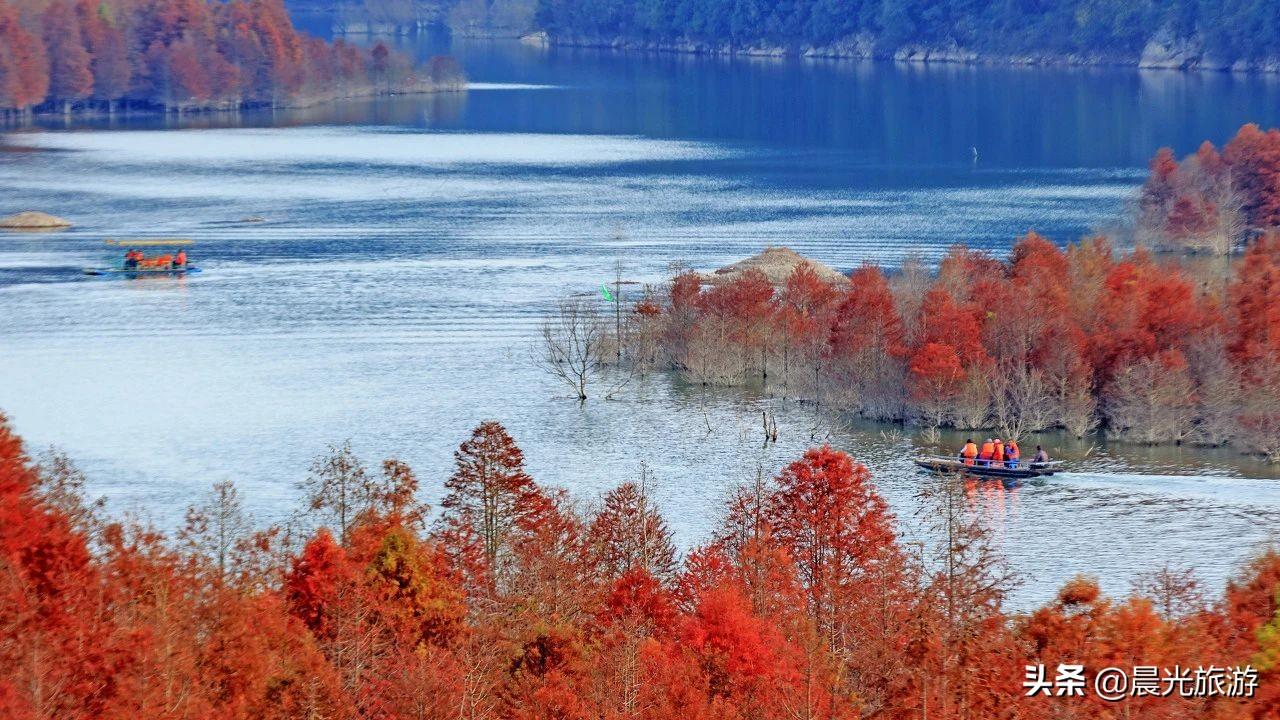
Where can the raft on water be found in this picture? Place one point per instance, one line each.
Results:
(185, 269)
(949, 466)
(161, 265)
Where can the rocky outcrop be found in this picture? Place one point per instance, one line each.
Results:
(951, 53)
(539, 38)
(1170, 53)
(861, 46)
(1164, 52)
(32, 220)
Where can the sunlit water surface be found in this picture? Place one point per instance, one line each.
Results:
(410, 246)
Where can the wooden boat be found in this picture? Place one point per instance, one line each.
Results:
(945, 465)
(137, 271)
(147, 266)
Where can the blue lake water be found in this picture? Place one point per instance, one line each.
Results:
(410, 245)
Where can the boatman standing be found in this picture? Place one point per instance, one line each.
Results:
(969, 452)
(1041, 456)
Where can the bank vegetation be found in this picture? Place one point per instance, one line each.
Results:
(1084, 339)
(515, 600)
(145, 55)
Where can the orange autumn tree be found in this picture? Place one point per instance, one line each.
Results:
(183, 54)
(866, 346)
(1211, 201)
(49, 607)
(24, 64)
(828, 518)
(935, 378)
(803, 605)
(489, 493)
(1079, 339)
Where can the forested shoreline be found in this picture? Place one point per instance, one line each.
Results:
(1140, 346)
(515, 600)
(1212, 202)
(177, 55)
(1084, 340)
(1221, 34)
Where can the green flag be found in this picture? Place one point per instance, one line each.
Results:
(604, 290)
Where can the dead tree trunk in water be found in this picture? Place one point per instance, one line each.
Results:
(572, 344)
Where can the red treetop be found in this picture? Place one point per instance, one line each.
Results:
(834, 524)
(489, 489)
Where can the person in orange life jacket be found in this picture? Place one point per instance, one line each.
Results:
(131, 258)
(988, 450)
(997, 456)
(181, 259)
(1012, 453)
(969, 452)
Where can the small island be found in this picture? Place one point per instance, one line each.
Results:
(32, 220)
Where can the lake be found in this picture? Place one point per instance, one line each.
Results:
(410, 246)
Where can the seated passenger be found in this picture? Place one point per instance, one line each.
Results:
(969, 452)
(988, 450)
(1012, 454)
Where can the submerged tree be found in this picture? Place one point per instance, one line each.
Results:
(572, 345)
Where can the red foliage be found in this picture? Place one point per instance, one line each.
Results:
(24, 68)
(805, 305)
(381, 629)
(638, 598)
(866, 318)
(1254, 304)
(828, 516)
(1182, 198)
(69, 76)
(180, 53)
(59, 656)
(314, 580)
(1191, 216)
(935, 371)
(744, 306)
(736, 650)
(1144, 309)
(489, 490)
(1254, 159)
(959, 326)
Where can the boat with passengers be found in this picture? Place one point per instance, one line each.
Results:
(172, 259)
(985, 469)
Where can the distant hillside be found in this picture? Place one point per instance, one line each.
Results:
(1212, 34)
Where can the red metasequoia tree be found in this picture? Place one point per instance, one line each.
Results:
(489, 493)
